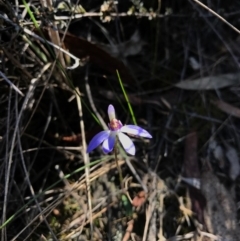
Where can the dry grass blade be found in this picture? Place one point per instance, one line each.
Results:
(227, 108)
(217, 15)
(11, 84)
(53, 33)
(96, 174)
(26, 101)
(77, 61)
(85, 157)
(150, 217)
(135, 174)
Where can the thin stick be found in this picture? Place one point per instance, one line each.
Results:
(85, 158)
(217, 15)
(113, 15)
(90, 98)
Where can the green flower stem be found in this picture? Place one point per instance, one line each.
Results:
(118, 167)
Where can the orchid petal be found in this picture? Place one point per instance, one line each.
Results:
(111, 112)
(97, 140)
(135, 130)
(109, 143)
(127, 143)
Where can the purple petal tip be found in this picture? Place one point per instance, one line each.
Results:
(111, 112)
(110, 108)
(97, 140)
(136, 130)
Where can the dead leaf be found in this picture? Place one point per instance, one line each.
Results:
(219, 155)
(82, 48)
(227, 108)
(217, 152)
(73, 138)
(194, 182)
(210, 82)
(233, 159)
(56, 212)
(128, 48)
(139, 199)
(194, 63)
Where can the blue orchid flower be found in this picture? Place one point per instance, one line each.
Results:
(117, 130)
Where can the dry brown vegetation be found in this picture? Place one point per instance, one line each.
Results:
(179, 64)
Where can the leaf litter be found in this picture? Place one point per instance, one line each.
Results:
(191, 188)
